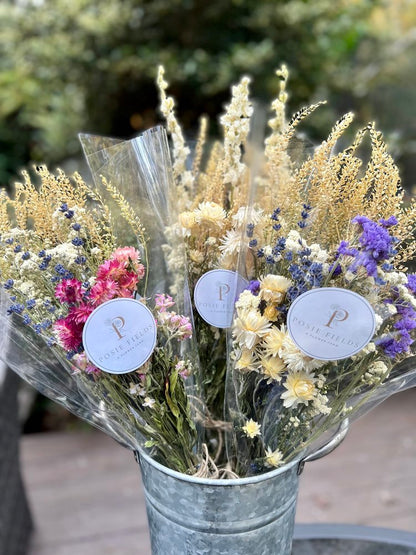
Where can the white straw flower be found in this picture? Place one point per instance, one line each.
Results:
(273, 458)
(247, 361)
(273, 288)
(247, 300)
(295, 359)
(272, 368)
(249, 327)
(252, 428)
(300, 386)
(230, 244)
(210, 213)
(273, 341)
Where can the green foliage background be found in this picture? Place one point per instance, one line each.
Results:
(89, 65)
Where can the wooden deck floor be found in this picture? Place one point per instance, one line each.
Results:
(86, 495)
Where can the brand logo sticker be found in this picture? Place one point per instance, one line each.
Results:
(215, 295)
(331, 323)
(120, 336)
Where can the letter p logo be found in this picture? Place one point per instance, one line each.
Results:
(339, 315)
(117, 324)
(223, 290)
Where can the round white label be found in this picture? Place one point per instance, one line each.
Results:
(120, 335)
(215, 295)
(331, 323)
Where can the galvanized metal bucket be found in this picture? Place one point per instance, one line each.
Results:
(195, 516)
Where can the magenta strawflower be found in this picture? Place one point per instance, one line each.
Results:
(111, 269)
(128, 281)
(69, 291)
(79, 314)
(69, 334)
(103, 290)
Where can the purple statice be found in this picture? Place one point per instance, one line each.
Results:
(254, 287)
(411, 282)
(389, 222)
(376, 245)
(375, 239)
(400, 341)
(393, 347)
(345, 250)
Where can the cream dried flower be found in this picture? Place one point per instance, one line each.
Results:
(252, 428)
(273, 341)
(300, 386)
(247, 300)
(180, 150)
(273, 458)
(230, 244)
(187, 219)
(249, 327)
(210, 213)
(273, 288)
(295, 359)
(247, 361)
(272, 368)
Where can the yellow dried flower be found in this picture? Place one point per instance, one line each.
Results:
(252, 428)
(273, 458)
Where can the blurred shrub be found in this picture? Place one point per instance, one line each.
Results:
(89, 65)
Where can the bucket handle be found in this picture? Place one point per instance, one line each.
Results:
(328, 447)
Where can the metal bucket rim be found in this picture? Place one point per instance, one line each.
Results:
(228, 482)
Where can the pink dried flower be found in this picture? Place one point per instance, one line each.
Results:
(103, 290)
(140, 270)
(128, 280)
(111, 269)
(69, 291)
(69, 334)
(81, 363)
(124, 254)
(163, 302)
(129, 255)
(79, 314)
(181, 326)
(183, 370)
